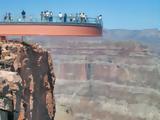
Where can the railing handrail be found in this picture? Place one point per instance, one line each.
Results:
(56, 19)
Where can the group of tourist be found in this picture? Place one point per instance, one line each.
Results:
(47, 16)
(8, 17)
(75, 18)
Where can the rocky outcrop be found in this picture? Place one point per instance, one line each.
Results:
(27, 71)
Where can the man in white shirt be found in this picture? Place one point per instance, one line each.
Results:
(100, 19)
(47, 15)
(60, 16)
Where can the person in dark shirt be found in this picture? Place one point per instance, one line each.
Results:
(5, 17)
(42, 16)
(50, 16)
(9, 17)
(65, 17)
(23, 14)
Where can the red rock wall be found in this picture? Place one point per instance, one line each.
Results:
(35, 68)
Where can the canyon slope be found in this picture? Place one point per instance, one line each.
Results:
(104, 79)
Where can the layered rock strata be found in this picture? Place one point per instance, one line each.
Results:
(99, 80)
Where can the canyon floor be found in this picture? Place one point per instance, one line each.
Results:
(104, 80)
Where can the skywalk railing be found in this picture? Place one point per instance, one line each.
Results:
(55, 19)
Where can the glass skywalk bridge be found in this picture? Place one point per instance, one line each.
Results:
(55, 27)
(55, 20)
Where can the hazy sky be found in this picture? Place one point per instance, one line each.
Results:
(127, 14)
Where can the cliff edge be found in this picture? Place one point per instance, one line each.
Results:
(26, 82)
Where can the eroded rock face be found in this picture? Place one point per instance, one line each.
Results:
(29, 77)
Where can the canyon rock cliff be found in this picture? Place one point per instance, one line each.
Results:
(26, 81)
(104, 80)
